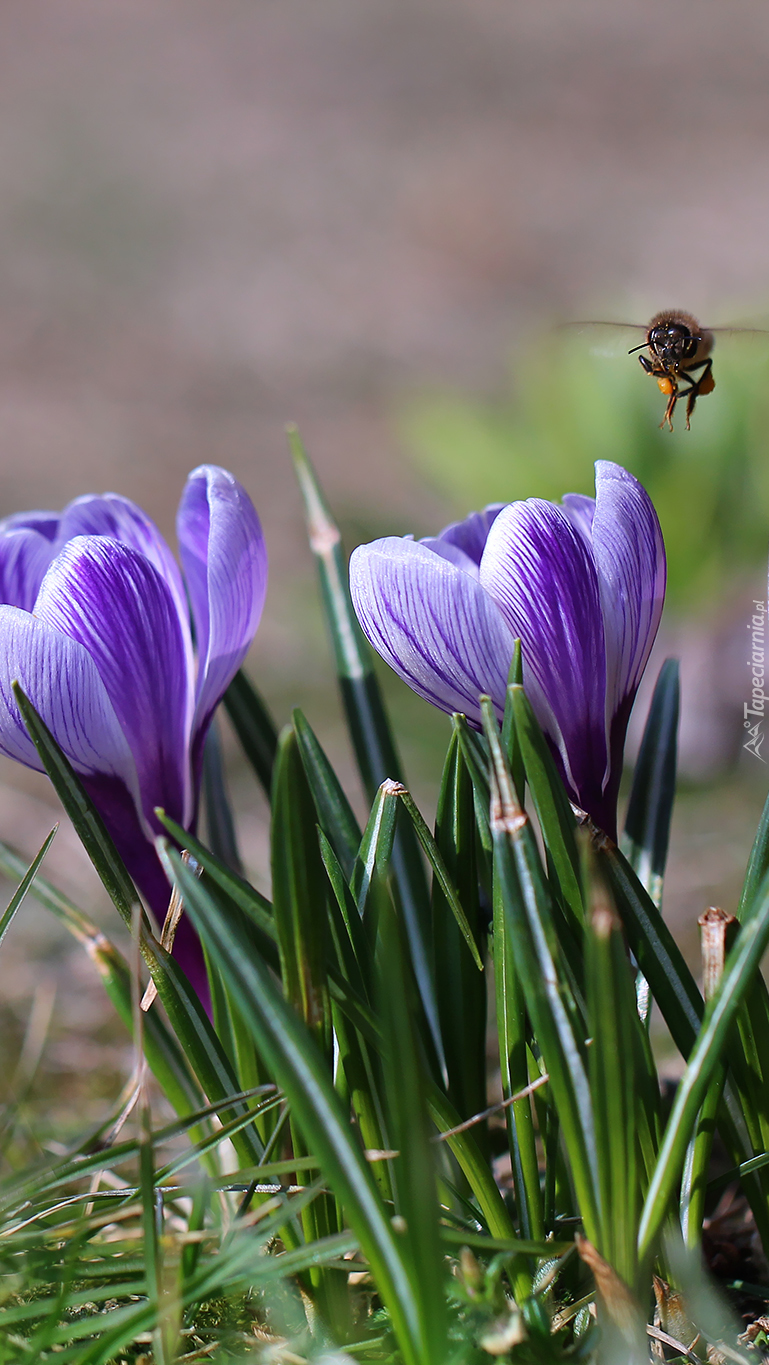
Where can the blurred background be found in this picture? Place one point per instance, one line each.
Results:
(217, 216)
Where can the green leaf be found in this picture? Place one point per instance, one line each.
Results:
(555, 1015)
(353, 951)
(649, 812)
(376, 847)
(653, 946)
(441, 874)
(552, 806)
(741, 965)
(416, 1196)
(514, 1075)
(370, 730)
(473, 1164)
(299, 890)
(20, 893)
(461, 992)
(303, 1075)
(510, 739)
(335, 814)
(244, 895)
(253, 726)
(221, 825)
(613, 1022)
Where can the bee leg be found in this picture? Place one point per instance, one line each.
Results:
(705, 384)
(670, 409)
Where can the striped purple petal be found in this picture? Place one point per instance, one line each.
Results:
(25, 554)
(111, 515)
(112, 601)
(62, 682)
(432, 623)
(580, 510)
(225, 565)
(541, 575)
(463, 542)
(629, 554)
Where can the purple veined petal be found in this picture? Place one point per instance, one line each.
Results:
(45, 523)
(225, 563)
(63, 684)
(432, 623)
(468, 536)
(112, 600)
(110, 514)
(629, 554)
(539, 572)
(447, 550)
(25, 554)
(580, 510)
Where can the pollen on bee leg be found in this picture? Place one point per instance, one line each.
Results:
(665, 385)
(707, 385)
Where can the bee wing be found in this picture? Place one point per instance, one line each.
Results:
(739, 331)
(609, 338)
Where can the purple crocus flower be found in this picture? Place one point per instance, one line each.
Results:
(581, 584)
(96, 629)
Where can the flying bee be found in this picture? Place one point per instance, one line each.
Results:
(677, 348)
(677, 353)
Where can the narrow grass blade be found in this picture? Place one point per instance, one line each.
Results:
(353, 952)
(477, 766)
(303, 1076)
(81, 811)
(441, 874)
(650, 809)
(743, 962)
(188, 1019)
(376, 846)
(414, 1166)
(164, 1056)
(253, 726)
(246, 896)
(335, 814)
(300, 905)
(510, 738)
(370, 731)
(718, 930)
(514, 1073)
(20, 893)
(653, 946)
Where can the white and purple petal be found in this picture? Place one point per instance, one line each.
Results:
(629, 555)
(432, 623)
(62, 682)
(225, 565)
(25, 554)
(540, 573)
(580, 510)
(468, 537)
(110, 514)
(110, 599)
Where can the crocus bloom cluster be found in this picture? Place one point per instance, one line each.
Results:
(95, 627)
(581, 584)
